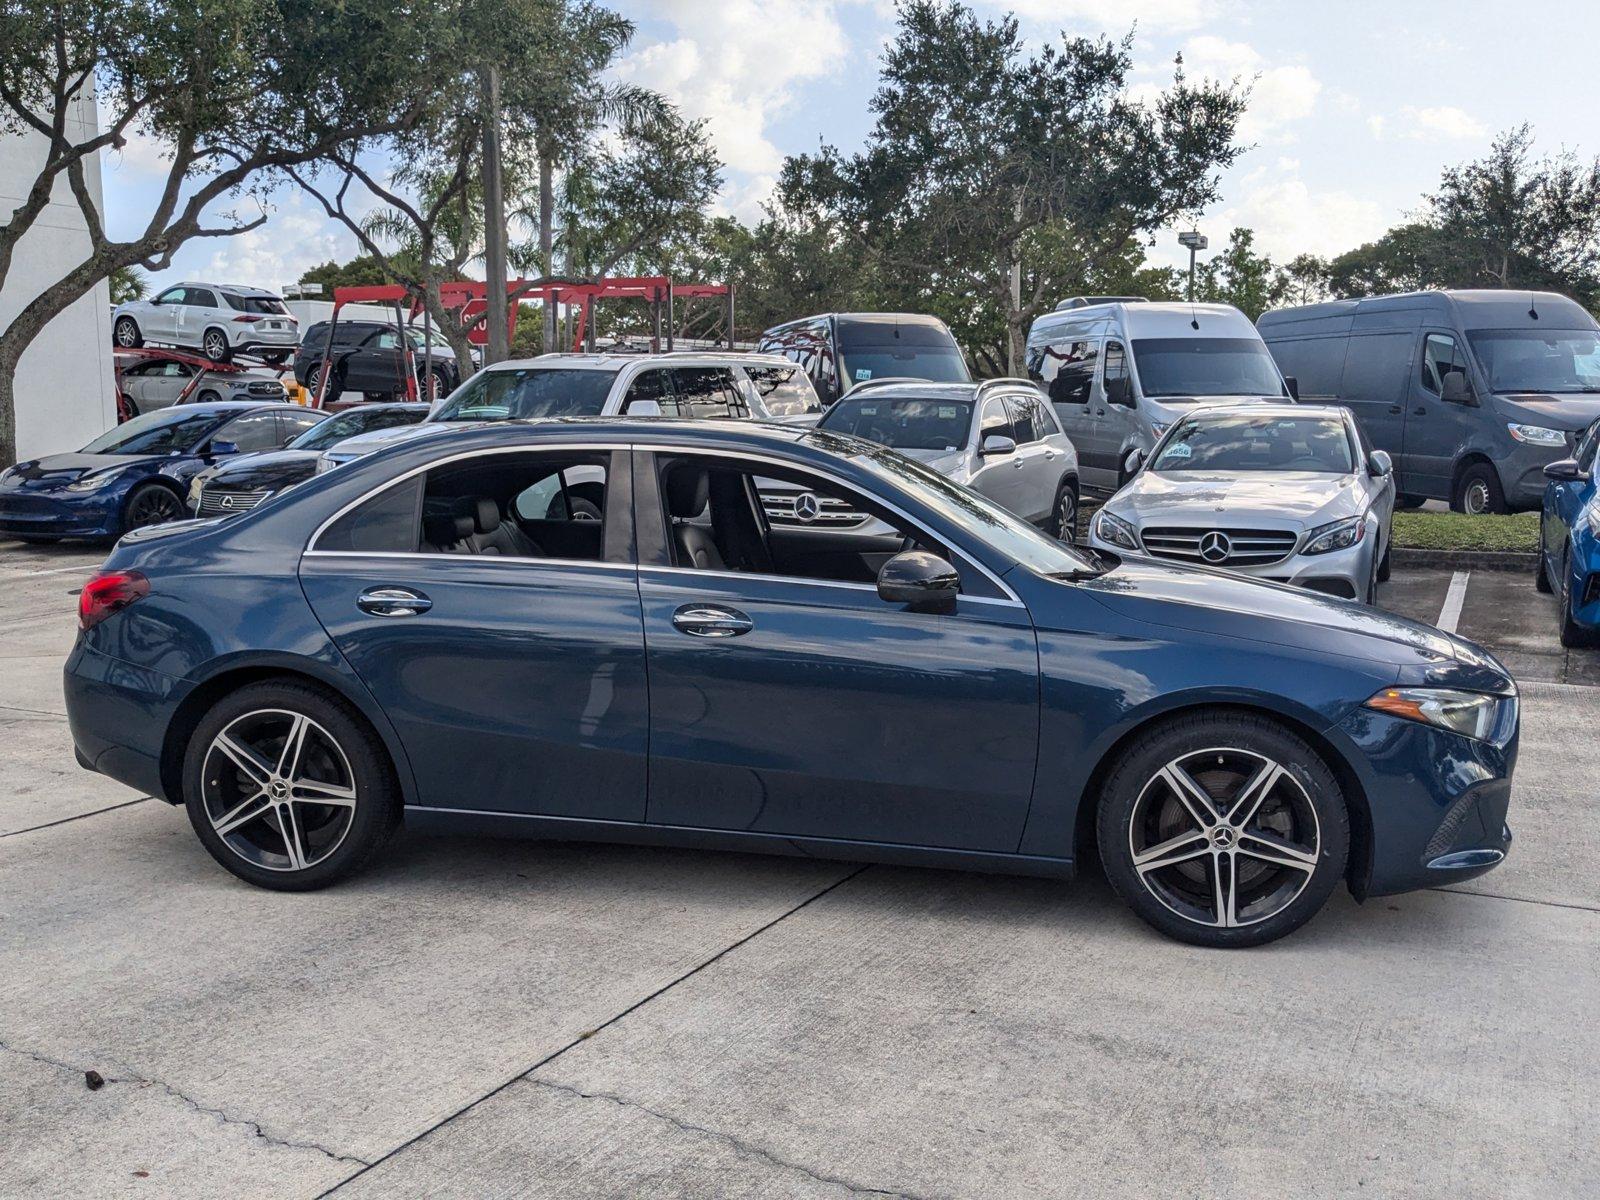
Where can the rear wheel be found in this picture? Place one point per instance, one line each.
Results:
(1541, 576)
(207, 397)
(214, 344)
(151, 504)
(1223, 829)
(125, 333)
(1573, 635)
(287, 787)
(1064, 519)
(1478, 491)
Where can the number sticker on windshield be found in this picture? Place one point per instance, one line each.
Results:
(1179, 450)
(948, 412)
(863, 373)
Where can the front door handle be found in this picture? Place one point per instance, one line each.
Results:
(1419, 411)
(711, 621)
(393, 602)
(1017, 463)
(1395, 409)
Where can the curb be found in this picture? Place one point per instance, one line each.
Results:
(1474, 560)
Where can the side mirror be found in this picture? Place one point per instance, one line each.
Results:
(643, 408)
(222, 449)
(1379, 464)
(922, 580)
(1565, 470)
(1454, 389)
(997, 444)
(1136, 460)
(1292, 386)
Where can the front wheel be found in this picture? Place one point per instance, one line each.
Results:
(1064, 518)
(1478, 491)
(287, 788)
(1573, 635)
(1223, 829)
(151, 504)
(1541, 576)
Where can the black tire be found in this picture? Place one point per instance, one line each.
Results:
(151, 504)
(125, 333)
(1541, 576)
(1064, 516)
(127, 410)
(1573, 635)
(335, 384)
(1478, 490)
(1303, 808)
(1407, 502)
(1383, 563)
(214, 345)
(1371, 597)
(209, 396)
(351, 840)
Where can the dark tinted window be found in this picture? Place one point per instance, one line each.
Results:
(264, 305)
(1376, 366)
(1205, 366)
(1022, 419)
(885, 349)
(1114, 379)
(1317, 364)
(253, 431)
(649, 385)
(706, 392)
(386, 524)
(159, 432)
(996, 420)
(200, 297)
(1587, 446)
(347, 424)
(906, 424)
(529, 392)
(1066, 369)
(1553, 361)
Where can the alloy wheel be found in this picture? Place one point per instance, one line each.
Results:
(1067, 516)
(215, 346)
(1224, 837)
(127, 335)
(278, 790)
(153, 506)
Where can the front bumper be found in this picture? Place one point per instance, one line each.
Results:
(47, 514)
(1343, 573)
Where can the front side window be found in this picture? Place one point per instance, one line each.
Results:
(166, 431)
(1551, 362)
(386, 339)
(1257, 443)
(1180, 368)
(995, 421)
(297, 423)
(1115, 382)
(529, 392)
(647, 386)
(784, 391)
(909, 423)
(1587, 447)
(172, 295)
(349, 423)
(253, 431)
(1439, 357)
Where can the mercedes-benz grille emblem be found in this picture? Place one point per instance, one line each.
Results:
(807, 507)
(227, 502)
(1215, 547)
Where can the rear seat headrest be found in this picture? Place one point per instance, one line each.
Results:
(445, 529)
(481, 513)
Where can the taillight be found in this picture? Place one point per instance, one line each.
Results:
(109, 593)
(246, 319)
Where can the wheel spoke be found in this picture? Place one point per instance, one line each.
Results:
(245, 759)
(1192, 796)
(289, 826)
(241, 814)
(293, 743)
(312, 791)
(1225, 889)
(1265, 848)
(1248, 802)
(1172, 851)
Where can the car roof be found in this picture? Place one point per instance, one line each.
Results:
(225, 407)
(602, 361)
(918, 388)
(1270, 410)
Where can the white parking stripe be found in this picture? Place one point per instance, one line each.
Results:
(86, 569)
(1450, 614)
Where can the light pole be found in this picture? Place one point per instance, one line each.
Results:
(1195, 242)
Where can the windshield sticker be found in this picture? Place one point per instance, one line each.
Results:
(863, 373)
(1179, 450)
(869, 410)
(948, 412)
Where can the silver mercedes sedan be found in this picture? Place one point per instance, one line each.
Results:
(1289, 492)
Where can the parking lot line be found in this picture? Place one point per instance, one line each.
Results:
(1450, 614)
(85, 569)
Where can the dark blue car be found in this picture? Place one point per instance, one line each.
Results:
(1569, 541)
(890, 669)
(137, 473)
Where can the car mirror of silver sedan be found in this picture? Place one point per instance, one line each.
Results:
(1379, 464)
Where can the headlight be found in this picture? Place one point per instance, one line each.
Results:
(1537, 435)
(1473, 714)
(95, 479)
(1113, 529)
(1336, 535)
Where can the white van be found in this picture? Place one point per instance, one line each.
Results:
(1119, 373)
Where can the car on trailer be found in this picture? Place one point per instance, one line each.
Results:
(150, 378)
(217, 319)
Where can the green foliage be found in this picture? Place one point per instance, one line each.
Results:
(1459, 531)
(127, 283)
(1239, 276)
(361, 271)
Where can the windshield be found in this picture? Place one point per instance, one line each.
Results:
(347, 424)
(887, 348)
(164, 431)
(906, 424)
(434, 338)
(1202, 366)
(1228, 444)
(529, 392)
(973, 514)
(1555, 361)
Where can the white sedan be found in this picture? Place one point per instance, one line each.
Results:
(1285, 492)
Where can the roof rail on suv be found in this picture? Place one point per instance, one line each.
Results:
(886, 381)
(1004, 381)
(1088, 301)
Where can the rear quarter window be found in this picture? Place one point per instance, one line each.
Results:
(388, 523)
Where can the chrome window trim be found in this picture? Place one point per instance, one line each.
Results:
(806, 579)
(483, 559)
(663, 448)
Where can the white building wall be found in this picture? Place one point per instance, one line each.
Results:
(65, 392)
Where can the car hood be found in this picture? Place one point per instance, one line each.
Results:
(381, 439)
(946, 462)
(64, 468)
(1568, 413)
(1300, 498)
(1190, 403)
(270, 468)
(1222, 603)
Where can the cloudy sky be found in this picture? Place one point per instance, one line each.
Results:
(1357, 105)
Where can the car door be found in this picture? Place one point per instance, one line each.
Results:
(515, 682)
(376, 365)
(194, 314)
(163, 384)
(793, 700)
(159, 322)
(1110, 414)
(1436, 430)
(998, 476)
(1036, 494)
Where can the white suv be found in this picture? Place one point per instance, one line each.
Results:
(217, 319)
(729, 386)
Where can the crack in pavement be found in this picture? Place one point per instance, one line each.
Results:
(222, 1115)
(742, 1147)
(76, 817)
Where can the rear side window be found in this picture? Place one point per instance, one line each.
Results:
(386, 524)
(1065, 369)
(784, 391)
(706, 392)
(200, 298)
(253, 431)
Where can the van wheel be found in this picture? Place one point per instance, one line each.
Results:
(1223, 829)
(1478, 491)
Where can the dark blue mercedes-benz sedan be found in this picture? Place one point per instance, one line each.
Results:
(137, 473)
(888, 668)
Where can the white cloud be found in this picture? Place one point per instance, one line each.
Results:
(1279, 96)
(294, 239)
(1444, 123)
(737, 65)
(1290, 218)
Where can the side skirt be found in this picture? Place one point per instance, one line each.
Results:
(573, 829)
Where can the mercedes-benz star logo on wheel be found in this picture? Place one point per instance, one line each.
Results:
(1215, 547)
(807, 507)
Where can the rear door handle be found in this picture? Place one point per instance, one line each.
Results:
(1394, 408)
(393, 602)
(711, 621)
(1419, 411)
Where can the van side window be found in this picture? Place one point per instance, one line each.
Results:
(1115, 381)
(1376, 367)
(1066, 368)
(1439, 357)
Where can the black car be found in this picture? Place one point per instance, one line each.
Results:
(841, 350)
(368, 357)
(243, 483)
